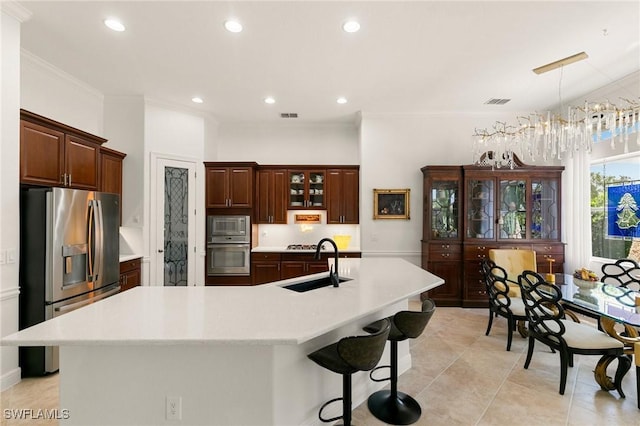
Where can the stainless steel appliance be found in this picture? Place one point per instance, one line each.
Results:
(228, 245)
(69, 242)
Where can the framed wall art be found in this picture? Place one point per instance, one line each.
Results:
(391, 203)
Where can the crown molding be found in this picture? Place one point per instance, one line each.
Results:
(28, 58)
(15, 10)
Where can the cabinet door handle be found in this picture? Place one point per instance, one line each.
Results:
(69, 179)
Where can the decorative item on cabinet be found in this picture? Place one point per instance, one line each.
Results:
(466, 206)
(130, 274)
(229, 185)
(55, 154)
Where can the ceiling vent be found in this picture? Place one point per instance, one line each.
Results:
(288, 115)
(497, 101)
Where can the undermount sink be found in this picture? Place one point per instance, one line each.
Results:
(312, 284)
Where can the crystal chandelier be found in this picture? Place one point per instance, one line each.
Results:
(550, 136)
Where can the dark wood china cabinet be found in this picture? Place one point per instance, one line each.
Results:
(515, 208)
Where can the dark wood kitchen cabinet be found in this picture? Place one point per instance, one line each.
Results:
(229, 185)
(306, 188)
(130, 274)
(343, 195)
(265, 267)
(111, 173)
(269, 267)
(54, 154)
(271, 196)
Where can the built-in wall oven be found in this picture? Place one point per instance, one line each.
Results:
(228, 245)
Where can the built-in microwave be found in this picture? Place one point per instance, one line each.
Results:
(228, 229)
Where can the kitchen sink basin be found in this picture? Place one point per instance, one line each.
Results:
(312, 284)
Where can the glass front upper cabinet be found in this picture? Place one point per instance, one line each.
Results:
(544, 209)
(480, 209)
(445, 199)
(512, 218)
(306, 189)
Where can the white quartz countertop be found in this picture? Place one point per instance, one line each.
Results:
(263, 315)
(126, 257)
(283, 249)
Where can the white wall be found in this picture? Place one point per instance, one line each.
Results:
(9, 191)
(56, 94)
(177, 134)
(289, 143)
(394, 147)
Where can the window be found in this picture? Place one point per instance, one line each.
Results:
(615, 205)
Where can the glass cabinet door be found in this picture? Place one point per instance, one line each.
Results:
(444, 209)
(481, 209)
(306, 189)
(544, 209)
(513, 214)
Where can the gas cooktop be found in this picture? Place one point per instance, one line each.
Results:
(304, 247)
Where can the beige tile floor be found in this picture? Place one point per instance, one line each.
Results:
(460, 377)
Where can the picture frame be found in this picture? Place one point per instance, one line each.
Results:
(391, 203)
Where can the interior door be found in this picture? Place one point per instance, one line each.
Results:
(175, 230)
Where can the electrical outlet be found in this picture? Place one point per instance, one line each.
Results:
(174, 408)
(3, 257)
(11, 255)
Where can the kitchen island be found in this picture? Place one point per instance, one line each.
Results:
(227, 355)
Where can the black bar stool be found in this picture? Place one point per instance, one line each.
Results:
(391, 406)
(347, 356)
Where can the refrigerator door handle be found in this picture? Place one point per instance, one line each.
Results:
(90, 240)
(99, 239)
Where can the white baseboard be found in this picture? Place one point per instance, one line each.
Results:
(10, 379)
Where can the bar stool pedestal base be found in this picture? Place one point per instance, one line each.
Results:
(399, 410)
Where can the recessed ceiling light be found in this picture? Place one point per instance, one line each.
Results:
(351, 26)
(341, 100)
(197, 100)
(269, 100)
(233, 26)
(114, 24)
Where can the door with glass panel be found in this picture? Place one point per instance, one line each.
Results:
(175, 213)
(512, 214)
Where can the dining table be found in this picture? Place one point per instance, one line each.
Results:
(617, 310)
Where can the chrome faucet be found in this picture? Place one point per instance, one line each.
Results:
(333, 271)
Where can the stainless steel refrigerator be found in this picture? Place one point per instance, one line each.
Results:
(69, 258)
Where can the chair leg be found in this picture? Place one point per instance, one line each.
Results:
(391, 406)
(511, 325)
(532, 343)
(638, 383)
(490, 322)
(565, 357)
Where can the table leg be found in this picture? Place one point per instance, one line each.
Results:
(600, 372)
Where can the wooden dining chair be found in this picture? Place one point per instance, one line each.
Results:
(500, 301)
(548, 325)
(514, 262)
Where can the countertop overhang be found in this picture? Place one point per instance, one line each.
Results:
(259, 315)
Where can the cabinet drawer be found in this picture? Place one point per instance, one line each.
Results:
(444, 251)
(265, 256)
(129, 265)
(542, 249)
(476, 252)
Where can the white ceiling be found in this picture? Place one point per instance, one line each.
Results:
(408, 57)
